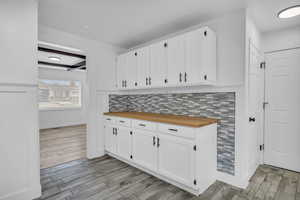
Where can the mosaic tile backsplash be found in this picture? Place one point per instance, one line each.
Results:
(220, 105)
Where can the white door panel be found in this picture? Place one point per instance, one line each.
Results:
(131, 70)
(176, 159)
(144, 150)
(158, 64)
(283, 112)
(123, 142)
(143, 61)
(176, 60)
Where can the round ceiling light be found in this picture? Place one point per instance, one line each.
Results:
(54, 58)
(289, 12)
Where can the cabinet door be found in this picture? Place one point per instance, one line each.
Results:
(200, 56)
(110, 139)
(123, 142)
(121, 69)
(158, 64)
(176, 159)
(176, 60)
(131, 70)
(144, 149)
(143, 62)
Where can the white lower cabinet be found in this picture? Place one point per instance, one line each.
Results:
(187, 162)
(110, 139)
(124, 142)
(144, 149)
(181, 166)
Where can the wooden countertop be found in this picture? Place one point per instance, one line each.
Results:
(166, 118)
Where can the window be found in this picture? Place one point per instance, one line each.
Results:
(55, 94)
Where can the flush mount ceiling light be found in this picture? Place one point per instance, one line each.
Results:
(289, 12)
(54, 58)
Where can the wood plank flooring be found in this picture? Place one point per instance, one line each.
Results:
(60, 145)
(106, 178)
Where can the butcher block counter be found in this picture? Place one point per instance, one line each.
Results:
(195, 122)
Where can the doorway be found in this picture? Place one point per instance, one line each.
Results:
(62, 104)
(282, 113)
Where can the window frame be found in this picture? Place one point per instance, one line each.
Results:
(45, 109)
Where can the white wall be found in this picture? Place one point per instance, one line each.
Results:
(101, 64)
(64, 117)
(19, 138)
(283, 39)
(18, 19)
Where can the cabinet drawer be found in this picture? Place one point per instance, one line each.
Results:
(109, 120)
(123, 122)
(181, 131)
(145, 125)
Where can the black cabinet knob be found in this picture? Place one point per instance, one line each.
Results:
(135, 53)
(166, 80)
(205, 77)
(165, 44)
(205, 33)
(135, 83)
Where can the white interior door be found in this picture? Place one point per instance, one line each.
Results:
(256, 97)
(282, 136)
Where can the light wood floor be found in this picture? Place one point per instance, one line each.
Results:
(109, 179)
(60, 145)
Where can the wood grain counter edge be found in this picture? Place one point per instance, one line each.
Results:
(181, 120)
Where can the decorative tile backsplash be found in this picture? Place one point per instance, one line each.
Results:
(220, 105)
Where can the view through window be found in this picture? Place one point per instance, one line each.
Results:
(59, 94)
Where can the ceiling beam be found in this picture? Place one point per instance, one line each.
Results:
(76, 66)
(61, 52)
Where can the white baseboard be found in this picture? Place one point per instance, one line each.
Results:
(25, 194)
(233, 180)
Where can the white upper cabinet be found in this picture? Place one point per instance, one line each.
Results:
(158, 64)
(201, 56)
(187, 59)
(143, 67)
(176, 60)
(131, 70)
(121, 67)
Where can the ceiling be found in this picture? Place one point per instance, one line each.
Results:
(127, 23)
